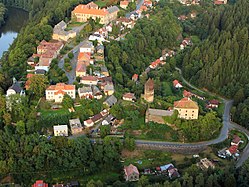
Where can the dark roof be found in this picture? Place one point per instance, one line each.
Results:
(111, 100)
(40, 71)
(16, 86)
(96, 117)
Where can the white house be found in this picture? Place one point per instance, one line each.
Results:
(60, 130)
(88, 123)
(89, 80)
(87, 47)
(177, 84)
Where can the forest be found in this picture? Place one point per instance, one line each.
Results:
(220, 62)
(3, 11)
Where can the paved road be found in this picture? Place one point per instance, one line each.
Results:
(71, 75)
(227, 125)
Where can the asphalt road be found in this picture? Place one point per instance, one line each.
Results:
(227, 125)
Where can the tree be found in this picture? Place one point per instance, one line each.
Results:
(70, 55)
(105, 130)
(143, 181)
(67, 101)
(199, 180)
(20, 127)
(38, 85)
(130, 143)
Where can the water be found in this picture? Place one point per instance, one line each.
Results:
(9, 31)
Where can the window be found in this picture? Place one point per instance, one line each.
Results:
(193, 111)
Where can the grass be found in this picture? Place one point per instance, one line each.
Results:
(101, 3)
(49, 112)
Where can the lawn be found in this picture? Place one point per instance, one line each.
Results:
(101, 3)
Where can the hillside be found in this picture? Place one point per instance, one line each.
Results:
(220, 62)
(2, 14)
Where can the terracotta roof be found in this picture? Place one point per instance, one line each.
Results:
(89, 78)
(61, 86)
(129, 95)
(175, 82)
(187, 93)
(59, 92)
(214, 102)
(186, 103)
(143, 8)
(233, 149)
(135, 76)
(130, 169)
(84, 56)
(81, 67)
(124, 2)
(82, 9)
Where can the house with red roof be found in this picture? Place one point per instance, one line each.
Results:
(213, 103)
(124, 4)
(148, 3)
(220, 2)
(134, 77)
(40, 183)
(177, 84)
(131, 173)
(187, 109)
(232, 150)
(57, 92)
(89, 80)
(187, 94)
(236, 140)
(129, 97)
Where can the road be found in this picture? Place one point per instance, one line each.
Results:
(137, 8)
(227, 125)
(71, 75)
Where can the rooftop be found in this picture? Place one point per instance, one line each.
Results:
(159, 112)
(186, 103)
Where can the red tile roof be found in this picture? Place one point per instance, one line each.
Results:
(233, 149)
(129, 95)
(130, 169)
(186, 93)
(89, 78)
(214, 102)
(175, 82)
(40, 183)
(124, 3)
(236, 139)
(82, 9)
(135, 77)
(61, 86)
(186, 103)
(59, 92)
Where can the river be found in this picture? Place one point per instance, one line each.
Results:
(9, 31)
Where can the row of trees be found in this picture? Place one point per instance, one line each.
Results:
(2, 14)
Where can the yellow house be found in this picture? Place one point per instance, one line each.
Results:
(187, 109)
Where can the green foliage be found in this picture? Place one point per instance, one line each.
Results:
(171, 119)
(2, 14)
(67, 101)
(38, 85)
(129, 143)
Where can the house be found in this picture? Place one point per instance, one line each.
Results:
(89, 80)
(31, 61)
(87, 47)
(104, 71)
(176, 84)
(97, 94)
(59, 185)
(59, 32)
(129, 97)
(173, 172)
(126, 22)
(108, 120)
(60, 130)
(155, 64)
(232, 150)
(84, 58)
(131, 173)
(193, 14)
(100, 50)
(213, 104)
(97, 37)
(149, 91)
(40, 183)
(182, 18)
(186, 42)
(110, 101)
(88, 123)
(15, 88)
(80, 70)
(134, 77)
(124, 4)
(236, 140)
(57, 92)
(148, 3)
(205, 164)
(143, 8)
(166, 167)
(220, 2)
(156, 115)
(76, 126)
(96, 118)
(187, 109)
(82, 13)
(85, 92)
(109, 89)
(187, 94)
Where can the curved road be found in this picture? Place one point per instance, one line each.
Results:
(227, 125)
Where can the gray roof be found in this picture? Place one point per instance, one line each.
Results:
(95, 90)
(61, 24)
(16, 86)
(109, 118)
(85, 89)
(103, 69)
(158, 112)
(100, 47)
(87, 44)
(75, 123)
(111, 100)
(112, 9)
(109, 87)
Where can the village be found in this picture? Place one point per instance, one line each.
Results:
(89, 80)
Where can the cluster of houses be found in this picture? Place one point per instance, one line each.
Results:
(61, 34)
(75, 126)
(189, 2)
(41, 183)
(205, 163)
(184, 17)
(232, 151)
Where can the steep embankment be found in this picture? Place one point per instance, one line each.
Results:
(221, 62)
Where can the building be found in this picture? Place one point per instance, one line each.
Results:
(110, 101)
(124, 4)
(149, 91)
(104, 71)
(60, 34)
(187, 109)
(156, 115)
(87, 47)
(109, 89)
(131, 173)
(15, 89)
(57, 92)
(129, 97)
(82, 13)
(89, 80)
(40, 183)
(213, 104)
(236, 140)
(80, 70)
(220, 2)
(205, 164)
(187, 94)
(100, 50)
(88, 123)
(85, 92)
(232, 150)
(176, 84)
(134, 77)
(76, 126)
(60, 130)
(108, 120)
(97, 94)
